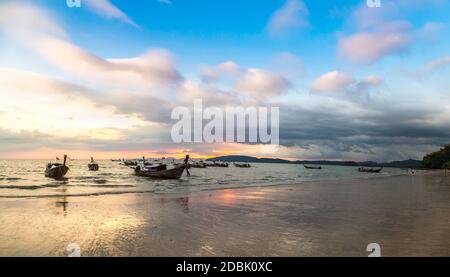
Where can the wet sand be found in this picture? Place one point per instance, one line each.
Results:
(406, 215)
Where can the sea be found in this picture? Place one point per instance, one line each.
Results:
(25, 178)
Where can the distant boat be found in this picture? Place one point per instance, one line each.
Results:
(160, 171)
(217, 164)
(56, 170)
(312, 167)
(93, 166)
(118, 160)
(242, 165)
(129, 162)
(369, 170)
(199, 164)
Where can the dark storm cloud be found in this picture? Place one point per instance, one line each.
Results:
(382, 125)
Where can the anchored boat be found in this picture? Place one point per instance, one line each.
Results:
(369, 170)
(93, 166)
(129, 162)
(160, 171)
(242, 165)
(199, 164)
(56, 170)
(312, 167)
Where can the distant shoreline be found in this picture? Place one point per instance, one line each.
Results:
(249, 159)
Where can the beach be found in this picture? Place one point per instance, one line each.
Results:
(405, 215)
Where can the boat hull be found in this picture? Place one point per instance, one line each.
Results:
(370, 170)
(312, 167)
(93, 167)
(174, 173)
(56, 172)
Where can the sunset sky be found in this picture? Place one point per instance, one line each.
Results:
(352, 82)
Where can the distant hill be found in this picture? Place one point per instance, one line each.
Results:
(404, 164)
(248, 159)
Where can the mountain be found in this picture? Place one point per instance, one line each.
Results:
(404, 164)
(248, 159)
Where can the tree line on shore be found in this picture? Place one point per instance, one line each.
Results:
(438, 160)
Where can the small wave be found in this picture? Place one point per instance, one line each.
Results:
(11, 179)
(85, 178)
(21, 187)
(75, 194)
(51, 185)
(106, 174)
(110, 186)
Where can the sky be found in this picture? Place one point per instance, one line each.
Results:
(351, 82)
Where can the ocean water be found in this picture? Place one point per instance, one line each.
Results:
(25, 178)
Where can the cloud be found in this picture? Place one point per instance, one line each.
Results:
(434, 65)
(210, 95)
(332, 82)
(34, 21)
(368, 48)
(430, 30)
(251, 83)
(293, 14)
(288, 65)
(337, 81)
(379, 32)
(380, 130)
(107, 9)
(108, 104)
(152, 70)
(56, 107)
(368, 83)
(261, 83)
(213, 74)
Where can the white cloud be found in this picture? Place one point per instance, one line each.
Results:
(332, 82)
(154, 69)
(211, 96)
(33, 22)
(293, 14)
(107, 9)
(372, 80)
(213, 74)
(251, 83)
(261, 83)
(337, 81)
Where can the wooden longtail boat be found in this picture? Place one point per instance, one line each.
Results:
(369, 170)
(161, 172)
(56, 170)
(243, 165)
(312, 167)
(93, 166)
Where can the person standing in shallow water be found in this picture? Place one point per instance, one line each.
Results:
(186, 163)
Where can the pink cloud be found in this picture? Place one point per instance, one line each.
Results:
(292, 14)
(332, 81)
(367, 48)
